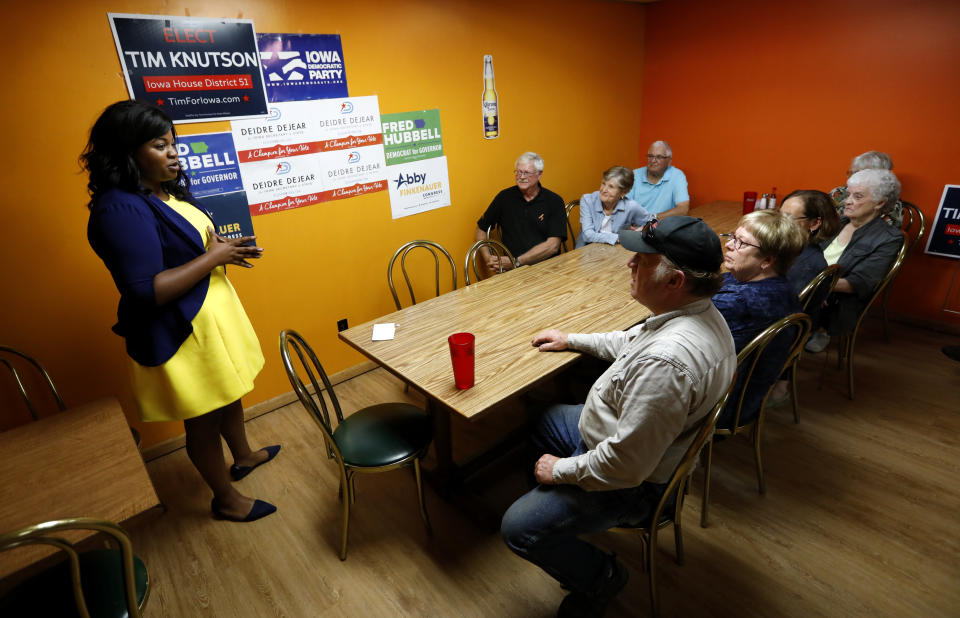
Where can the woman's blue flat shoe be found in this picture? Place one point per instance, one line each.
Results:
(238, 472)
(260, 509)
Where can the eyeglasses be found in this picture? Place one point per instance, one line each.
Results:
(658, 157)
(523, 174)
(738, 242)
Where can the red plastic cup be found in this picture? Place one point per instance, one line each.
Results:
(749, 201)
(461, 353)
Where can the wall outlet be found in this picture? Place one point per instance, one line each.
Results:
(342, 325)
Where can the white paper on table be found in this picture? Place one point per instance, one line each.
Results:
(383, 332)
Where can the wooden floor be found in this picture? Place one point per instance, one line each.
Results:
(860, 518)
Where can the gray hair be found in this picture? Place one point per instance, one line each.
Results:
(660, 142)
(530, 157)
(882, 184)
(623, 176)
(699, 283)
(872, 160)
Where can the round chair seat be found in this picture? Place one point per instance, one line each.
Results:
(51, 592)
(383, 434)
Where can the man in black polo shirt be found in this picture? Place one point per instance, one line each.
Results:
(532, 219)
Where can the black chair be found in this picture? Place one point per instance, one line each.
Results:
(378, 438)
(747, 361)
(435, 251)
(98, 582)
(670, 507)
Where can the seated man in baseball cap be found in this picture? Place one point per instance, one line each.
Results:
(606, 462)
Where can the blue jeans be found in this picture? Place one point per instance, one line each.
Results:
(542, 526)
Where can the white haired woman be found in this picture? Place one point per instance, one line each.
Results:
(869, 160)
(864, 250)
(605, 212)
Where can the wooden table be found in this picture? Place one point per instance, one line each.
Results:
(722, 216)
(587, 290)
(584, 291)
(82, 462)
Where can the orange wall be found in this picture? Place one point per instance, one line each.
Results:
(559, 95)
(753, 94)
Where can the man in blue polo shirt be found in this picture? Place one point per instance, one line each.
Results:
(659, 187)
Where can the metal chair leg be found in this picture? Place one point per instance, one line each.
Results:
(652, 571)
(678, 538)
(793, 390)
(852, 339)
(346, 483)
(883, 306)
(423, 506)
(761, 486)
(707, 455)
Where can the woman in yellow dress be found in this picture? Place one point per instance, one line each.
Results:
(193, 350)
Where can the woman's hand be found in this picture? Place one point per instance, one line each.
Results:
(172, 283)
(232, 250)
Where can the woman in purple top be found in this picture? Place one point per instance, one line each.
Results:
(755, 294)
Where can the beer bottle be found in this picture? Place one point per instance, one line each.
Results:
(491, 111)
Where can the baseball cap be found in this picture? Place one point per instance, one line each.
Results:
(686, 241)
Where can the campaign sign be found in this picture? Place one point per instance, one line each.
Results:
(230, 214)
(269, 182)
(308, 152)
(302, 67)
(209, 160)
(418, 186)
(305, 127)
(196, 69)
(945, 233)
(411, 136)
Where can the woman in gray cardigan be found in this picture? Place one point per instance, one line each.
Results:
(864, 250)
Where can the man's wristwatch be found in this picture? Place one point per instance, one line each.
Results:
(516, 263)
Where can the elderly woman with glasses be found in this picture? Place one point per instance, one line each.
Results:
(813, 211)
(864, 249)
(756, 293)
(605, 212)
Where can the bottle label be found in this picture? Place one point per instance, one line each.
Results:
(491, 119)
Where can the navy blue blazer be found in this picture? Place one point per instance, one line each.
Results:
(138, 236)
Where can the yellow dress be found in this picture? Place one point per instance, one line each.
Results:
(217, 362)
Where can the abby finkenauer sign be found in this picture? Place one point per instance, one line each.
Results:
(416, 167)
(195, 69)
(302, 67)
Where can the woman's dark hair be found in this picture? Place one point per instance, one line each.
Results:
(818, 205)
(116, 135)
